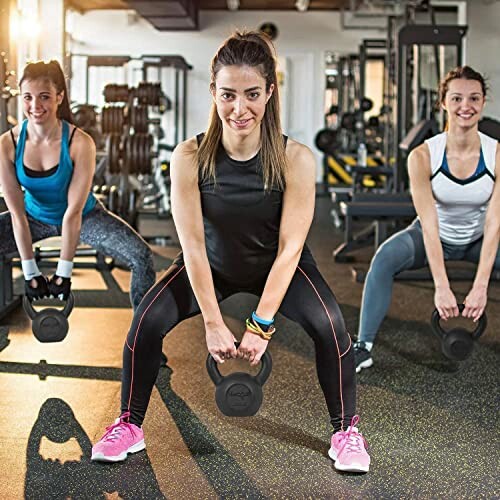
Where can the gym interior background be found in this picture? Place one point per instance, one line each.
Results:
(431, 423)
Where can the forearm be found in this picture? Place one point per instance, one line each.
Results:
(71, 226)
(435, 256)
(277, 282)
(200, 277)
(488, 255)
(22, 235)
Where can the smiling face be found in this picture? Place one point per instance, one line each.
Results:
(464, 102)
(240, 96)
(40, 100)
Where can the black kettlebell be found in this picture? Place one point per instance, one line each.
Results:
(49, 324)
(239, 394)
(457, 344)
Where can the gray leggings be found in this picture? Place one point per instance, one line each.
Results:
(404, 250)
(106, 233)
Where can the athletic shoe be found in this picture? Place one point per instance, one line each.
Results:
(118, 441)
(362, 356)
(349, 449)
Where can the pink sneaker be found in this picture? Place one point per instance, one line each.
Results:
(118, 441)
(349, 449)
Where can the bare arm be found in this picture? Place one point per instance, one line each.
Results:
(296, 219)
(419, 170)
(83, 156)
(14, 198)
(475, 302)
(188, 219)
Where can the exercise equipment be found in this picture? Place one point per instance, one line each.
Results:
(134, 151)
(457, 344)
(239, 394)
(8, 299)
(49, 324)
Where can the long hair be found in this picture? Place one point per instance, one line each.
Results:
(253, 49)
(52, 72)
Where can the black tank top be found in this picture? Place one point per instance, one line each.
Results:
(241, 220)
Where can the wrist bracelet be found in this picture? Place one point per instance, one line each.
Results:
(258, 319)
(257, 330)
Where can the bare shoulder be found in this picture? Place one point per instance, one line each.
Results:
(185, 151)
(300, 158)
(186, 148)
(420, 154)
(81, 140)
(6, 144)
(184, 159)
(419, 161)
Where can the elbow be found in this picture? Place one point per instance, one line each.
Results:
(492, 227)
(290, 251)
(73, 216)
(18, 217)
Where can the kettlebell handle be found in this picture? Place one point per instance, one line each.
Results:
(68, 307)
(28, 307)
(266, 364)
(31, 311)
(475, 334)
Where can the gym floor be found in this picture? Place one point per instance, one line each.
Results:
(431, 424)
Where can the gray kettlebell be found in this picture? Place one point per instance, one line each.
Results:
(49, 324)
(457, 344)
(239, 394)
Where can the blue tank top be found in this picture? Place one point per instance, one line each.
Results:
(46, 197)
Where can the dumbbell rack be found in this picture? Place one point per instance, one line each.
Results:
(131, 149)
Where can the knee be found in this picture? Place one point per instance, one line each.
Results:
(332, 333)
(144, 330)
(384, 262)
(142, 256)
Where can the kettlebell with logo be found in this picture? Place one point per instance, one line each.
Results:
(239, 394)
(457, 344)
(49, 324)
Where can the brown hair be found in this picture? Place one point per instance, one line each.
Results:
(52, 72)
(465, 72)
(254, 49)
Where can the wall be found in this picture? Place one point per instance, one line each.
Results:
(483, 44)
(303, 39)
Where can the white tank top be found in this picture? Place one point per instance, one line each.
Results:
(461, 203)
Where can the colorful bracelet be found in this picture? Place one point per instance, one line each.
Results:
(261, 321)
(257, 330)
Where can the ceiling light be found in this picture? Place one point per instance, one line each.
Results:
(302, 5)
(233, 4)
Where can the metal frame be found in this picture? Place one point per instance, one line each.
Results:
(181, 68)
(408, 36)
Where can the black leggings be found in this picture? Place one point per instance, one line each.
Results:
(308, 301)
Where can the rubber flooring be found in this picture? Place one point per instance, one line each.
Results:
(431, 424)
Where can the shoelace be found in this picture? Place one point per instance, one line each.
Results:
(353, 439)
(114, 431)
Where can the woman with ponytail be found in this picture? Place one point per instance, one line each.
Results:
(242, 201)
(46, 170)
(456, 193)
